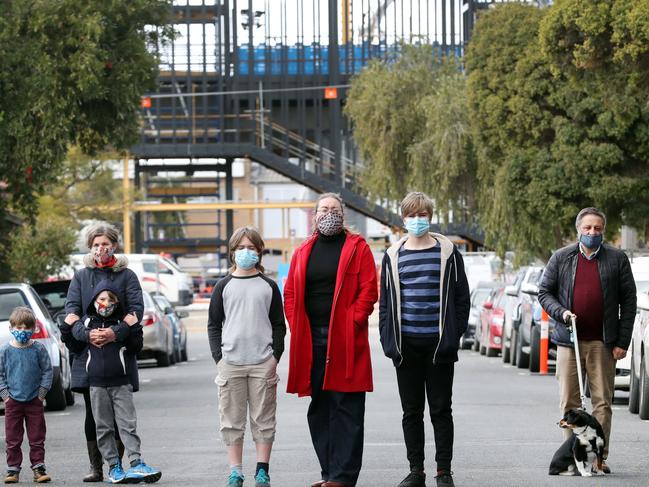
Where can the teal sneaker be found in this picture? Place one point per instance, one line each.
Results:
(116, 474)
(235, 479)
(142, 473)
(262, 479)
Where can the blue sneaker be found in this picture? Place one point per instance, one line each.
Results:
(116, 474)
(235, 479)
(262, 479)
(142, 473)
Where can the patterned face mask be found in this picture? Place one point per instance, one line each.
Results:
(22, 336)
(104, 254)
(330, 224)
(104, 310)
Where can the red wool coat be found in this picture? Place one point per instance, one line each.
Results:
(348, 367)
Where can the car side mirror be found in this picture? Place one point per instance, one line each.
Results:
(182, 314)
(511, 291)
(530, 289)
(488, 305)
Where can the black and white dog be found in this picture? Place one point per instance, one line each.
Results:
(577, 455)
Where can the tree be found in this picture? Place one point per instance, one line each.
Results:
(411, 127)
(71, 73)
(556, 130)
(39, 250)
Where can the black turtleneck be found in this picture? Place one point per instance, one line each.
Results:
(321, 271)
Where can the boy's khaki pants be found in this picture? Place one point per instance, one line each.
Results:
(244, 388)
(598, 364)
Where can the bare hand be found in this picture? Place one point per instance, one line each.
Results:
(619, 353)
(71, 319)
(108, 334)
(568, 316)
(97, 338)
(130, 319)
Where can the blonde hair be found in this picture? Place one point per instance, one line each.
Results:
(102, 229)
(237, 236)
(22, 316)
(416, 202)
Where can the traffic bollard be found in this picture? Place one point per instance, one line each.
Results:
(545, 327)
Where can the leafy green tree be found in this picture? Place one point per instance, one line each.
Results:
(39, 249)
(71, 72)
(411, 126)
(558, 125)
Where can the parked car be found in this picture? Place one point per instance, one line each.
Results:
(513, 301)
(12, 295)
(640, 268)
(179, 330)
(639, 373)
(535, 339)
(158, 334)
(491, 323)
(479, 295)
(525, 324)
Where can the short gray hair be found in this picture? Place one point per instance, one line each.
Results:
(104, 229)
(589, 211)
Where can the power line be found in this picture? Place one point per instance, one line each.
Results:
(244, 92)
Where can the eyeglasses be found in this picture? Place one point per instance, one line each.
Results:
(325, 210)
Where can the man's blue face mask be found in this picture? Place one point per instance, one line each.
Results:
(591, 242)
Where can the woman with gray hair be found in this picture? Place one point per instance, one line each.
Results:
(100, 263)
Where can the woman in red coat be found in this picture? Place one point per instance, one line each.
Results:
(328, 296)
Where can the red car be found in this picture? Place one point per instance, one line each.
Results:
(492, 318)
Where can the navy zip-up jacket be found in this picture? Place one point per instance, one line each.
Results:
(454, 298)
(115, 363)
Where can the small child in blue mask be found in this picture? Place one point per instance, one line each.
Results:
(25, 379)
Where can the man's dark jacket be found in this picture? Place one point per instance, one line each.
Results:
(618, 289)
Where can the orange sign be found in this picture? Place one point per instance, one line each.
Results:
(145, 102)
(331, 93)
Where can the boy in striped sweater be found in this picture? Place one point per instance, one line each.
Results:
(423, 311)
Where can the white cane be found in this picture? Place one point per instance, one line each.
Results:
(573, 330)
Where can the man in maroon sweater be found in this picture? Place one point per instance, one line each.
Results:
(592, 282)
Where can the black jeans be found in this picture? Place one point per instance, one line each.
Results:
(418, 378)
(336, 423)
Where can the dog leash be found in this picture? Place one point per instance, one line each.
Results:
(573, 332)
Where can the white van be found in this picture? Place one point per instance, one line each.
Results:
(157, 274)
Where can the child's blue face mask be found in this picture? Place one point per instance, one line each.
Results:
(22, 336)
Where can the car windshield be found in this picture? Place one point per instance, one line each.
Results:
(9, 299)
(481, 296)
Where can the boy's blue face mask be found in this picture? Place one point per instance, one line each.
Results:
(417, 225)
(22, 336)
(246, 259)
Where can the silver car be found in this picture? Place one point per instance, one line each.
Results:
(12, 295)
(158, 334)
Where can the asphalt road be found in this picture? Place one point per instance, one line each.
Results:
(505, 421)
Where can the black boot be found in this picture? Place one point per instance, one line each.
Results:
(96, 473)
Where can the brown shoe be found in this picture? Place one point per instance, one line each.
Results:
(333, 484)
(40, 476)
(12, 477)
(319, 483)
